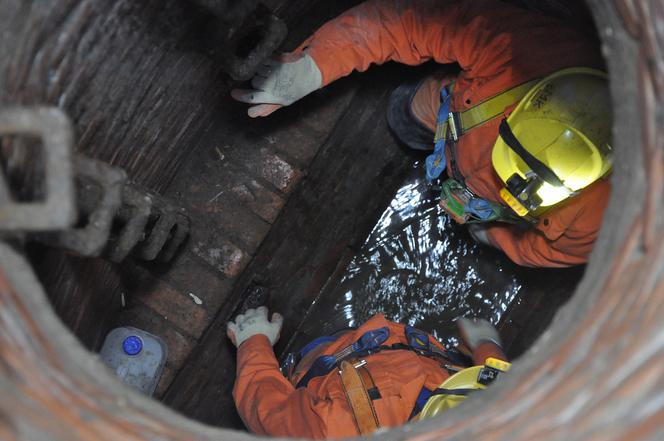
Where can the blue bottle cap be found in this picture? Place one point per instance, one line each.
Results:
(132, 345)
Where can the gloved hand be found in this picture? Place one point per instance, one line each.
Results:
(480, 234)
(254, 322)
(281, 82)
(477, 331)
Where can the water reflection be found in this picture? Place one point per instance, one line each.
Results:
(421, 268)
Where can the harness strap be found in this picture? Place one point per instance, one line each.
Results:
(450, 127)
(367, 344)
(371, 342)
(325, 364)
(358, 398)
(367, 379)
(535, 164)
(425, 394)
(436, 162)
(314, 344)
(455, 124)
(456, 173)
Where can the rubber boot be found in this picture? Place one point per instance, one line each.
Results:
(401, 120)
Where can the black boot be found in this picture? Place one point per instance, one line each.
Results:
(401, 120)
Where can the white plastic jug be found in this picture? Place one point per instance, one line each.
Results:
(136, 357)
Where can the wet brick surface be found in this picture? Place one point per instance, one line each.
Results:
(235, 219)
(176, 307)
(259, 199)
(272, 168)
(216, 208)
(197, 280)
(222, 255)
(223, 195)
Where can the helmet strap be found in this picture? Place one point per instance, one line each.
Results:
(537, 166)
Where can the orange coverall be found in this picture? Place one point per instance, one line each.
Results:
(270, 405)
(497, 46)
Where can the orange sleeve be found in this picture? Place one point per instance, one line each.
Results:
(532, 248)
(476, 34)
(268, 403)
(566, 239)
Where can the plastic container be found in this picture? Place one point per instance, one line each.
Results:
(137, 357)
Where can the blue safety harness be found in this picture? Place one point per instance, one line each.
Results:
(372, 342)
(478, 209)
(437, 162)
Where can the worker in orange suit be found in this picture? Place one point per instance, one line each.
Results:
(400, 374)
(520, 139)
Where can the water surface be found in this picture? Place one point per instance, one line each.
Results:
(421, 268)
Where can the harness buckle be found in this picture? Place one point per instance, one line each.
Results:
(453, 126)
(359, 364)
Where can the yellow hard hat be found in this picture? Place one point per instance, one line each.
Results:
(454, 390)
(557, 140)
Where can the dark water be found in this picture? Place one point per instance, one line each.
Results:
(419, 267)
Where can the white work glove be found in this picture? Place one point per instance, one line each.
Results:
(254, 322)
(279, 83)
(477, 331)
